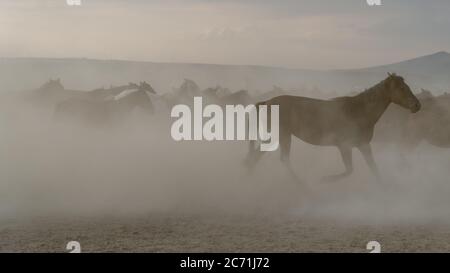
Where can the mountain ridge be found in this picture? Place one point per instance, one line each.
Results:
(428, 71)
(439, 54)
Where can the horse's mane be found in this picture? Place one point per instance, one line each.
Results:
(369, 93)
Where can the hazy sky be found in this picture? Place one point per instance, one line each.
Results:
(319, 34)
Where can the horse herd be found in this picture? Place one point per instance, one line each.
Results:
(344, 122)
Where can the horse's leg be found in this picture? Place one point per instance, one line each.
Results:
(285, 151)
(254, 155)
(366, 151)
(285, 146)
(346, 154)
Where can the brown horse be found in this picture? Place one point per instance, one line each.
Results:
(432, 124)
(107, 111)
(399, 127)
(406, 131)
(344, 122)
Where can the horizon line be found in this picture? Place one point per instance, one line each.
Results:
(218, 64)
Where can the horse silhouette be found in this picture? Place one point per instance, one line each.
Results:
(107, 110)
(432, 124)
(212, 95)
(343, 122)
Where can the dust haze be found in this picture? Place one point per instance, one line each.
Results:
(86, 152)
(128, 186)
(52, 167)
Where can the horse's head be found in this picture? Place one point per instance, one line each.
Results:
(141, 99)
(132, 85)
(146, 87)
(53, 85)
(400, 93)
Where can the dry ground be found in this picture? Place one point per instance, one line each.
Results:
(202, 233)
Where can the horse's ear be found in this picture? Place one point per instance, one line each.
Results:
(387, 81)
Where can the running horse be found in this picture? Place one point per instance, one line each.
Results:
(343, 122)
(109, 109)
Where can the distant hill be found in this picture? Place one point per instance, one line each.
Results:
(430, 72)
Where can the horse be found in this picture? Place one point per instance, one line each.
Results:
(102, 93)
(407, 131)
(240, 97)
(49, 93)
(432, 124)
(344, 122)
(183, 94)
(392, 126)
(101, 112)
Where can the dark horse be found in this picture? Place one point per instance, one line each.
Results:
(344, 122)
(101, 112)
(431, 125)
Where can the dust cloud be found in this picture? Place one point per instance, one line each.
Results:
(49, 167)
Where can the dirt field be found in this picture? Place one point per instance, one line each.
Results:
(158, 233)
